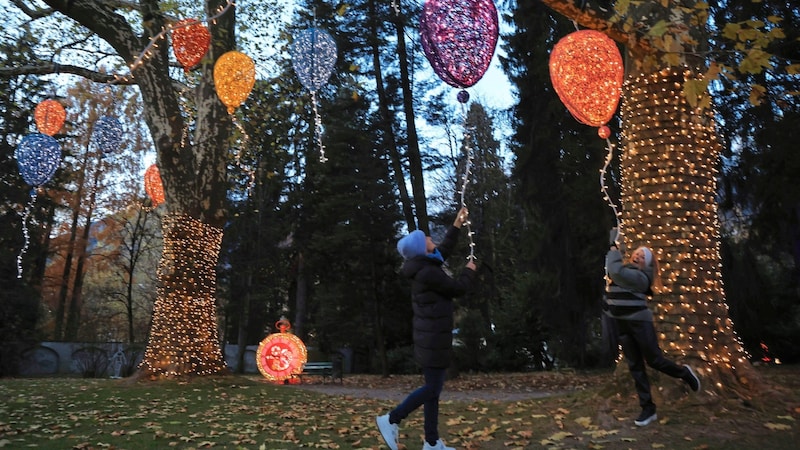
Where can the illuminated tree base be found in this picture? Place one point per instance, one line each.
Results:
(669, 170)
(184, 339)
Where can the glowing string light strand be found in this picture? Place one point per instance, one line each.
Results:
(604, 188)
(465, 177)
(25, 232)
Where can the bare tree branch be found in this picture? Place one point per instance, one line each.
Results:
(53, 68)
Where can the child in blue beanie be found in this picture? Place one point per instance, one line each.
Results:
(432, 293)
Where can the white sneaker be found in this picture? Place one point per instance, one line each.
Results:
(439, 446)
(389, 431)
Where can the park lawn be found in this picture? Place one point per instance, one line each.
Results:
(248, 412)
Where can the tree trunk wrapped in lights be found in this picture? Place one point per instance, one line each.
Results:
(669, 164)
(184, 337)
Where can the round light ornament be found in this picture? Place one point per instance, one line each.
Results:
(281, 356)
(38, 157)
(313, 57)
(107, 134)
(234, 78)
(153, 185)
(49, 116)
(190, 42)
(459, 38)
(586, 71)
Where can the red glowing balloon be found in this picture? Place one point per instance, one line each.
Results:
(459, 38)
(49, 116)
(281, 356)
(190, 42)
(153, 186)
(586, 70)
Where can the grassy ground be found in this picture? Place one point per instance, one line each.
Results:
(484, 412)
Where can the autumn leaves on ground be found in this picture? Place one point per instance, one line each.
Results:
(558, 410)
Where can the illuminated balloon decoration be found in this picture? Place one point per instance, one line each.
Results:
(313, 57)
(459, 39)
(234, 78)
(281, 356)
(586, 70)
(190, 42)
(38, 157)
(107, 134)
(153, 185)
(49, 116)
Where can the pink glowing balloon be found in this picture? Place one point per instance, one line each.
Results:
(459, 38)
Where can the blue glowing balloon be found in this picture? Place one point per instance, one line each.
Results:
(107, 134)
(38, 156)
(313, 56)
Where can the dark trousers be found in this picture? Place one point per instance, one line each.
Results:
(640, 346)
(426, 396)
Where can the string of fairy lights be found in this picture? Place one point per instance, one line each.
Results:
(463, 97)
(669, 171)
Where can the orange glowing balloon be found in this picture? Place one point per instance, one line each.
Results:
(190, 42)
(153, 186)
(586, 70)
(234, 77)
(49, 116)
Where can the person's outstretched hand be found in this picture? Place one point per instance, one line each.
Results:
(461, 217)
(471, 265)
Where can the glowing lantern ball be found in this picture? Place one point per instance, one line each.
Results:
(38, 156)
(313, 57)
(190, 42)
(49, 116)
(459, 39)
(107, 134)
(586, 70)
(281, 356)
(234, 77)
(153, 185)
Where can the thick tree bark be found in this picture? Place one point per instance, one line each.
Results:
(669, 165)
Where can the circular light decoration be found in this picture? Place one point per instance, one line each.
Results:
(107, 134)
(586, 71)
(281, 356)
(38, 156)
(234, 77)
(49, 116)
(153, 185)
(313, 57)
(190, 42)
(459, 38)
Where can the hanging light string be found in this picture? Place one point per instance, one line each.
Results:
(465, 179)
(147, 52)
(604, 189)
(318, 127)
(237, 153)
(25, 231)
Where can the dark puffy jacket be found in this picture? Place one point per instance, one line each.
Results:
(432, 293)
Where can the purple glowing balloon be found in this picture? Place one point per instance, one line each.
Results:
(459, 38)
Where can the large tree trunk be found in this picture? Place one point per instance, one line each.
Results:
(184, 336)
(669, 162)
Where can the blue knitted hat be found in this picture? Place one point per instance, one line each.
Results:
(415, 244)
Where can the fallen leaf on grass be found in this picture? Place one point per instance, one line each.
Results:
(777, 426)
(585, 422)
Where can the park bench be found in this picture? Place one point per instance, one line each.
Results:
(328, 370)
